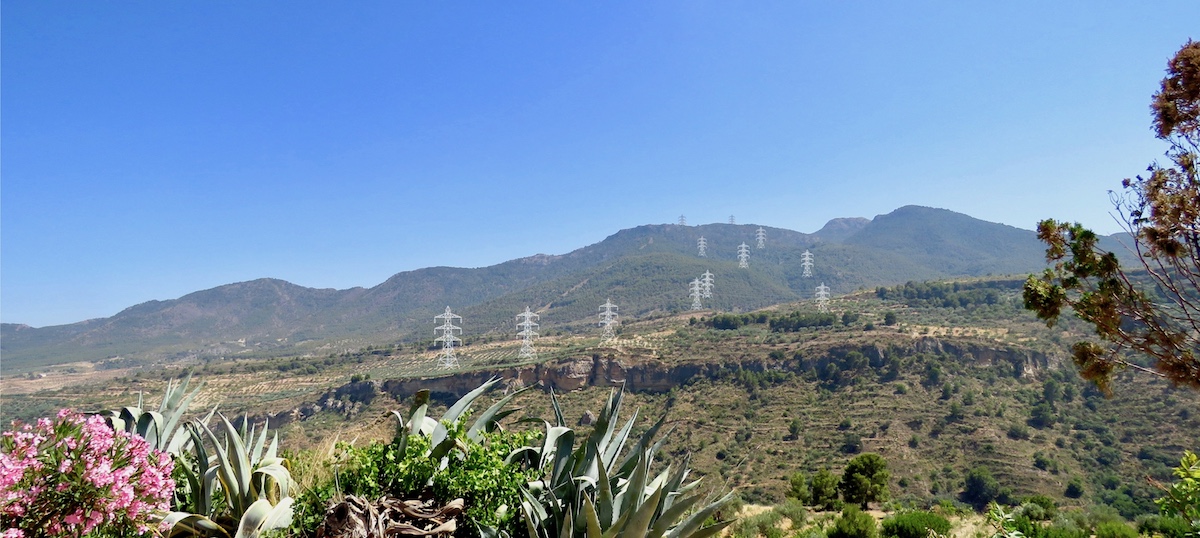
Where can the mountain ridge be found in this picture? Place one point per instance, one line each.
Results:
(645, 269)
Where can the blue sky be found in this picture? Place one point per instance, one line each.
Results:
(152, 149)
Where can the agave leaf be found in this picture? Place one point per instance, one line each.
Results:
(417, 422)
(635, 489)
(484, 422)
(463, 403)
(688, 528)
(634, 453)
(175, 403)
(613, 449)
(668, 517)
(558, 416)
(604, 497)
(589, 461)
(593, 522)
(272, 450)
(185, 524)
(257, 451)
(639, 522)
(712, 530)
(263, 516)
(179, 442)
(526, 507)
(440, 432)
(557, 449)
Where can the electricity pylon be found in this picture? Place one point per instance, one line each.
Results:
(761, 237)
(706, 284)
(702, 244)
(731, 220)
(744, 256)
(447, 359)
(608, 320)
(823, 298)
(696, 291)
(806, 261)
(682, 220)
(528, 332)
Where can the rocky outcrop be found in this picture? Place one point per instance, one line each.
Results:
(642, 375)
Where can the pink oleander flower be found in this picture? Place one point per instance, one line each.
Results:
(74, 475)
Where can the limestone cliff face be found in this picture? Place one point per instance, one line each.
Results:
(639, 374)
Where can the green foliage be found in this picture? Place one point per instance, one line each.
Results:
(1165, 526)
(797, 320)
(948, 294)
(824, 490)
(865, 480)
(765, 524)
(800, 489)
(980, 487)
(439, 459)
(1115, 529)
(793, 510)
(1182, 498)
(854, 523)
(916, 524)
(889, 318)
(1074, 488)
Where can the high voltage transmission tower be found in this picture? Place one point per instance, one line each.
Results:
(608, 319)
(682, 220)
(447, 359)
(697, 291)
(806, 261)
(528, 331)
(744, 256)
(706, 285)
(702, 244)
(761, 237)
(731, 220)
(823, 298)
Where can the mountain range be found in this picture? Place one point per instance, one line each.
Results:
(644, 270)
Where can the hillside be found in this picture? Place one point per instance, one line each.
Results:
(644, 269)
(947, 389)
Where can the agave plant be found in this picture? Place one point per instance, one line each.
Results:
(594, 492)
(239, 490)
(159, 428)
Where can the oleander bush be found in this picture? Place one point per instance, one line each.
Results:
(74, 475)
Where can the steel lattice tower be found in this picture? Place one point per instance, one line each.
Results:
(447, 359)
(702, 244)
(744, 256)
(761, 237)
(731, 220)
(526, 322)
(608, 319)
(706, 285)
(806, 261)
(823, 298)
(682, 220)
(696, 291)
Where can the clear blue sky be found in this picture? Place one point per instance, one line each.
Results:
(152, 149)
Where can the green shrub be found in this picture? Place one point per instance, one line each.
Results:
(1115, 529)
(980, 488)
(1167, 527)
(854, 523)
(764, 524)
(914, 525)
(794, 510)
